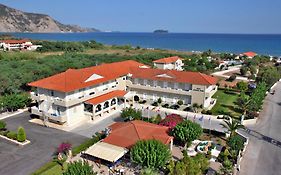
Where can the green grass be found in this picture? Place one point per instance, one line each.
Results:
(55, 170)
(226, 104)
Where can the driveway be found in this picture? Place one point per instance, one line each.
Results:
(263, 154)
(16, 160)
(91, 127)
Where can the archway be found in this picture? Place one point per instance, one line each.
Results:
(113, 102)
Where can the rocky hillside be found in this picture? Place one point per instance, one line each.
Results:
(12, 20)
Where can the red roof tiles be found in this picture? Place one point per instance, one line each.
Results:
(15, 41)
(250, 54)
(104, 97)
(74, 79)
(168, 60)
(174, 76)
(126, 134)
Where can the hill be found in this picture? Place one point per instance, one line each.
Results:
(13, 20)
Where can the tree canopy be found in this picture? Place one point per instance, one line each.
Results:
(187, 131)
(150, 153)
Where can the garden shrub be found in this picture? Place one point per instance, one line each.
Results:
(180, 102)
(12, 135)
(64, 148)
(155, 103)
(235, 143)
(131, 114)
(187, 131)
(159, 100)
(150, 153)
(165, 105)
(2, 125)
(21, 136)
(79, 167)
(157, 119)
(171, 120)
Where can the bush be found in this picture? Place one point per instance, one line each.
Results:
(157, 119)
(188, 109)
(150, 153)
(252, 115)
(148, 171)
(155, 103)
(187, 131)
(180, 102)
(142, 102)
(64, 148)
(159, 100)
(79, 167)
(231, 78)
(165, 105)
(12, 135)
(21, 136)
(2, 125)
(171, 120)
(175, 107)
(235, 143)
(131, 114)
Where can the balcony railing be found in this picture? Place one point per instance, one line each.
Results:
(159, 89)
(60, 119)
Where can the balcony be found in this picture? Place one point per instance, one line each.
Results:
(159, 89)
(60, 119)
(37, 97)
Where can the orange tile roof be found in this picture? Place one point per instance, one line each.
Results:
(126, 134)
(15, 41)
(250, 54)
(104, 97)
(74, 79)
(174, 76)
(168, 60)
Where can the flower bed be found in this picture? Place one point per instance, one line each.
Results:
(171, 120)
(15, 141)
(18, 137)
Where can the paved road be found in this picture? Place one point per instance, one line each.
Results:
(263, 154)
(15, 160)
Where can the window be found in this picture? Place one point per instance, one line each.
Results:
(124, 78)
(52, 93)
(92, 93)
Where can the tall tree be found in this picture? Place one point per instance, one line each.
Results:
(187, 131)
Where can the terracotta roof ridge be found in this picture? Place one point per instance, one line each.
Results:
(134, 125)
(203, 76)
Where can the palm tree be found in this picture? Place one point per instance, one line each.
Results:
(232, 126)
(243, 102)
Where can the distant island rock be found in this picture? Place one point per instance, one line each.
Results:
(12, 20)
(160, 31)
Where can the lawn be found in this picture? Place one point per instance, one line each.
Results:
(226, 104)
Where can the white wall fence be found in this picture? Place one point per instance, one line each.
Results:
(241, 153)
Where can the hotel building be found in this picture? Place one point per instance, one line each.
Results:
(89, 93)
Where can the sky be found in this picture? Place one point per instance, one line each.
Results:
(182, 16)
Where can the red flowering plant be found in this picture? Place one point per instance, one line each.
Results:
(171, 120)
(64, 148)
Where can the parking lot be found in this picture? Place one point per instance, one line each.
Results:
(16, 160)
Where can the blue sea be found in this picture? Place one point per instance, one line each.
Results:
(234, 43)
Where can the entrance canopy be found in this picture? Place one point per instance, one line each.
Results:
(106, 151)
(108, 96)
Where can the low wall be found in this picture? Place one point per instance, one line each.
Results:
(241, 153)
(250, 121)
